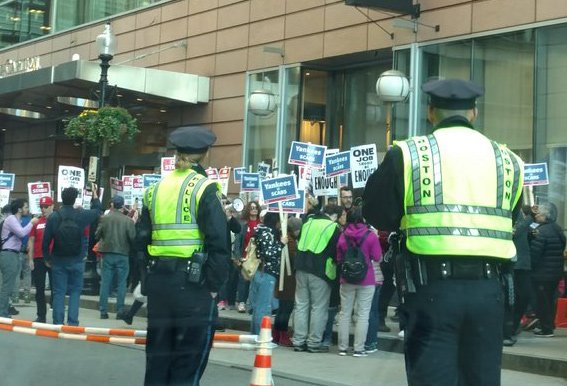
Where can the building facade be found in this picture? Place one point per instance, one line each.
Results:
(320, 60)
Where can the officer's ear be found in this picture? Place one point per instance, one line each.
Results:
(431, 114)
(473, 115)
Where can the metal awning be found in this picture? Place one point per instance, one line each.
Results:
(145, 92)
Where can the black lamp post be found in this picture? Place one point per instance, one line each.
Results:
(106, 44)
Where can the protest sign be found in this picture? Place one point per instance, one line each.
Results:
(224, 177)
(7, 181)
(263, 170)
(323, 185)
(212, 173)
(250, 182)
(363, 162)
(150, 179)
(337, 164)
(290, 206)
(536, 174)
(277, 189)
(71, 176)
(307, 154)
(37, 190)
(238, 174)
(167, 165)
(4, 197)
(116, 187)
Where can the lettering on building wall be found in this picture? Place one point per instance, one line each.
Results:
(12, 67)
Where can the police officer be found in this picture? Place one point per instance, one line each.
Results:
(453, 194)
(185, 216)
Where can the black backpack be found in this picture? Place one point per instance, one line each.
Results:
(354, 266)
(68, 238)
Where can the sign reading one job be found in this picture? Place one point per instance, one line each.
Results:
(337, 164)
(307, 154)
(250, 182)
(277, 189)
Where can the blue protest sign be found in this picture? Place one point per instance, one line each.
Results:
(7, 180)
(263, 169)
(250, 182)
(536, 174)
(238, 174)
(343, 180)
(279, 189)
(307, 154)
(150, 179)
(337, 164)
(290, 206)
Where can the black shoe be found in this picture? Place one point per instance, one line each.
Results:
(104, 315)
(220, 328)
(383, 328)
(531, 324)
(301, 348)
(13, 311)
(39, 320)
(542, 334)
(125, 316)
(317, 350)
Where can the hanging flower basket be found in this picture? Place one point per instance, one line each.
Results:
(110, 124)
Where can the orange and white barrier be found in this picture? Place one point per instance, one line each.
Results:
(74, 329)
(72, 336)
(262, 371)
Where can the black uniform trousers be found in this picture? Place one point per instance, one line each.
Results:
(38, 277)
(180, 321)
(453, 335)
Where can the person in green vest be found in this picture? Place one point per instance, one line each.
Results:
(315, 270)
(186, 236)
(453, 195)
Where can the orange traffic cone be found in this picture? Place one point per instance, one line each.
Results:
(561, 314)
(262, 371)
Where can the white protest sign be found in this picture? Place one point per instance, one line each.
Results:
(167, 165)
(323, 185)
(224, 176)
(363, 162)
(132, 188)
(138, 190)
(87, 198)
(212, 173)
(116, 187)
(4, 197)
(37, 190)
(71, 176)
(304, 178)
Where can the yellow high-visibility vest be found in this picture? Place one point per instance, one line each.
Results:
(459, 199)
(173, 204)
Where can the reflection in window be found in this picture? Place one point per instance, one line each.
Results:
(23, 20)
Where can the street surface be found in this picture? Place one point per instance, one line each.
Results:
(31, 361)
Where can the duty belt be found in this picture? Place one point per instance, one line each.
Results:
(167, 264)
(433, 269)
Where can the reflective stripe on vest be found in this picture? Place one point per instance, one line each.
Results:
(316, 234)
(454, 206)
(173, 204)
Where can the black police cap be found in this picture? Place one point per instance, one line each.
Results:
(452, 94)
(192, 139)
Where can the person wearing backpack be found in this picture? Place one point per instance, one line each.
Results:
(315, 269)
(11, 236)
(65, 228)
(357, 247)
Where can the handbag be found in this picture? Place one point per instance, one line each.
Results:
(251, 263)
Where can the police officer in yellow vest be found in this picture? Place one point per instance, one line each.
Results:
(453, 194)
(187, 266)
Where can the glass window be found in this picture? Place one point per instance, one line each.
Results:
(261, 131)
(291, 111)
(551, 135)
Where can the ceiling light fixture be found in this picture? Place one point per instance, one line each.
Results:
(21, 113)
(80, 102)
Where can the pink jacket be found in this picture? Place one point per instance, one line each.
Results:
(371, 248)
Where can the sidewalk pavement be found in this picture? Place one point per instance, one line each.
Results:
(543, 356)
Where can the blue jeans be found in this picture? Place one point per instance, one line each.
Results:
(114, 265)
(261, 294)
(67, 275)
(373, 320)
(328, 334)
(10, 268)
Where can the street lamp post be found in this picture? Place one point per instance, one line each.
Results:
(392, 86)
(106, 44)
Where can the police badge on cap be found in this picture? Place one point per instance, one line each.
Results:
(192, 139)
(452, 94)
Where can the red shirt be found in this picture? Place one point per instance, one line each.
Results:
(252, 224)
(37, 234)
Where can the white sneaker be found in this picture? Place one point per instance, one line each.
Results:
(401, 334)
(241, 307)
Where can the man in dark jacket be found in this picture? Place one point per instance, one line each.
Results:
(546, 252)
(66, 258)
(317, 243)
(116, 233)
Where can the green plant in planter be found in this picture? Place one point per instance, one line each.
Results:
(107, 124)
